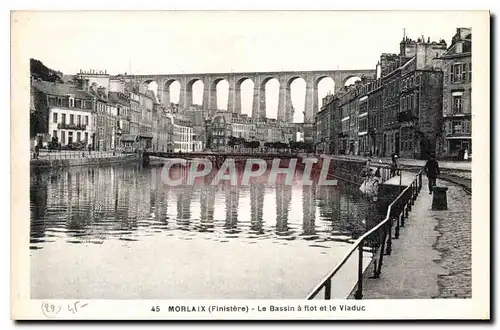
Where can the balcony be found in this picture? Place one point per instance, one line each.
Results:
(72, 126)
(406, 116)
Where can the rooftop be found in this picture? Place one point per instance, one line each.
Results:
(60, 89)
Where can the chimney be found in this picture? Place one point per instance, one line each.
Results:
(83, 84)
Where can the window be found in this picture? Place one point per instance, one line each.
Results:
(59, 101)
(54, 120)
(467, 127)
(71, 119)
(63, 119)
(71, 102)
(78, 136)
(54, 134)
(469, 72)
(456, 74)
(457, 104)
(78, 120)
(78, 103)
(465, 71)
(63, 137)
(410, 104)
(86, 137)
(457, 127)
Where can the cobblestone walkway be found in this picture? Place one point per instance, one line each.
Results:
(432, 257)
(454, 244)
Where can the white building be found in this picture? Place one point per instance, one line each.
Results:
(300, 136)
(197, 146)
(275, 134)
(182, 137)
(71, 125)
(242, 129)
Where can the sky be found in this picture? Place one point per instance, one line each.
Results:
(158, 42)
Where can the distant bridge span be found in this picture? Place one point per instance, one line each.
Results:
(219, 158)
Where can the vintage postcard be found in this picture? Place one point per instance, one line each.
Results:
(291, 165)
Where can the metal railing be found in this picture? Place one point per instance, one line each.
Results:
(379, 238)
(45, 154)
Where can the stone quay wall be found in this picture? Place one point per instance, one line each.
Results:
(53, 163)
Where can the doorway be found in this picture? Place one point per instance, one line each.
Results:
(384, 147)
(396, 143)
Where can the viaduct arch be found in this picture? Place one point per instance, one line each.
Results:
(235, 79)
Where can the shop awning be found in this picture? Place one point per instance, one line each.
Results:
(128, 138)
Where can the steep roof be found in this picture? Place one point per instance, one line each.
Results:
(114, 98)
(59, 89)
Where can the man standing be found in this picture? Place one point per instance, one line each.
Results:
(432, 170)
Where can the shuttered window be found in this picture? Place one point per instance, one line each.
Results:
(448, 128)
(465, 71)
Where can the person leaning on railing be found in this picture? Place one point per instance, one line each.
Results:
(394, 165)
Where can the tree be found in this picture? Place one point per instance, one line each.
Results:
(232, 141)
(39, 71)
(209, 142)
(308, 147)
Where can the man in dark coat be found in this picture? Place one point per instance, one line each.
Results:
(432, 170)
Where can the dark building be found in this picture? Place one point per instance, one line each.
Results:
(375, 127)
(323, 121)
(218, 132)
(411, 112)
(399, 112)
(457, 67)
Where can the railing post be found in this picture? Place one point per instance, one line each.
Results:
(389, 237)
(409, 201)
(328, 289)
(396, 232)
(414, 192)
(359, 292)
(381, 256)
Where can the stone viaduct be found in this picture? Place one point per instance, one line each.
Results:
(235, 79)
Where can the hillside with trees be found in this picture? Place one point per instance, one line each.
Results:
(39, 71)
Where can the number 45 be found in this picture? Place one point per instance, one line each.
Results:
(155, 308)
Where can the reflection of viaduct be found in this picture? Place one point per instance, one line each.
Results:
(285, 78)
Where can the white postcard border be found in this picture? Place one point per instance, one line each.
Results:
(476, 308)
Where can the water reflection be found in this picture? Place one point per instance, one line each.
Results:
(91, 205)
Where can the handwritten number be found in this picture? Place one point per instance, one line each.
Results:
(51, 310)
